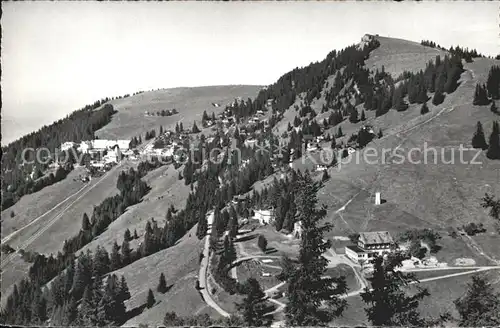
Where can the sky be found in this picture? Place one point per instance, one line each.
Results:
(59, 56)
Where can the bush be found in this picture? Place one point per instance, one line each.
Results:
(12, 214)
(472, 228)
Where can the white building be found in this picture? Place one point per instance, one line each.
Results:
(67, 145)
(85, 146)
(264, 216)
(370, 245)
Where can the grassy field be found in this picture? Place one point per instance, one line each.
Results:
(33, 205)
(347, 272)
(278, 243)
(130, 120)
(180, 266)
(254, 269)
(166, 190)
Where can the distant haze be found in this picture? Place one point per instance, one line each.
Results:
(59, 56)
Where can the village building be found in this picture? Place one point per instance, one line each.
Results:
(264, 217)
(67, 145)
(370, 245)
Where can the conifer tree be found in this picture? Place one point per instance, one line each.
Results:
(195, 128)
(126, 253)
(307, 289)
(150, 300)
(135, 234)
(494, 108)
(127, 236)
(480, 306)
(333, 144)
(325, 176)
(494, 143)
(380, 134)
(101, 261)
(480, 95)
(388, 304)
(233, 225)
(339, 132)
(253, 308)
(115, 258)
(162, 284)
(201, 230)
(424, 109)
(363, 115)
(124, 293)
(85, 222)
(353, 117)
(478, 140)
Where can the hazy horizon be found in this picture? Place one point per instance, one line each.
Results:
(59, 56)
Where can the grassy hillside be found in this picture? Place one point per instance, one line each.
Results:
(130, 120)
(180, 265)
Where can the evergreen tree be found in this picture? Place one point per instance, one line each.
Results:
(127, 236)
(480, 96)
(126, 253)
(253, 308)
(262, 243)
(494, 144)
(380, 134)
(388, 304)
(135, 234)
(195, 128)
(339, 132)
(493, 82)
(478, 140)
(424, 109)
(363, 115)
(494, 108)
(124, 293)
(438, 98)
(233, 226)
(353, 117)
(115, 258)
(162, 284)
(333, 145)
(307, 289)
(101, 262)
(85, 222)
(325, 176)
(201, 230)
(480, 306)
(150, 300)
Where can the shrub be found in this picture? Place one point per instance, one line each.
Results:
(472, 228)
(12, 214)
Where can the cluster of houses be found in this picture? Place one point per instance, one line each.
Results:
(168, 144)
(103, 153)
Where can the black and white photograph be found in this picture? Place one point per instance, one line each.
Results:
(250, 164)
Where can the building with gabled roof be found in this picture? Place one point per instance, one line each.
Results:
(370, 245)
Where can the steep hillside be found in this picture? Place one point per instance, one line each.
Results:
(130, 120)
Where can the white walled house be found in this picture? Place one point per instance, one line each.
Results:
(264, 216)
(370, 245)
